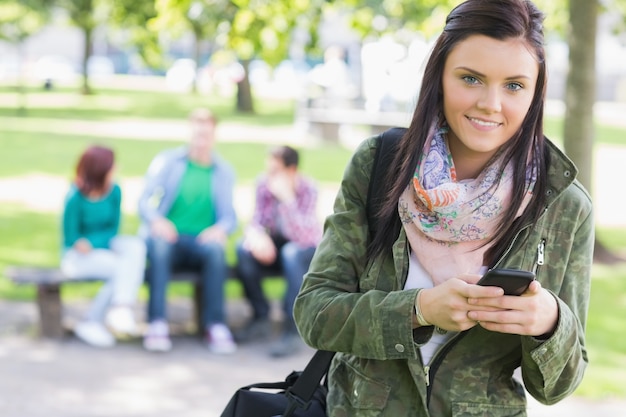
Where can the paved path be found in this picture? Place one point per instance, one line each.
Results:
(41, 378)
(69, 379)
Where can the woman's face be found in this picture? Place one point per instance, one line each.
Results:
(488, 87)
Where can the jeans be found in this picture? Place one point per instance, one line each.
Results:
(122, 267)
(292, 262)
(187, 254)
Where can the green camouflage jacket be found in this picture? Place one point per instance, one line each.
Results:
(351, 305)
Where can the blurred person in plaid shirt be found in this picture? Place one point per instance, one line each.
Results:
(281, 238)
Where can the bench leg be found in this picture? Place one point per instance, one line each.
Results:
(197, 307)
(50, 310)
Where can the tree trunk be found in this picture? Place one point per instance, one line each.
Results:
(244, 91)
(88, 32)
(580, 96)
(21, 91)
(580, 92)
(196, 58)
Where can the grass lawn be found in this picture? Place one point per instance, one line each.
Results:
(605, 329)
(54, 154)
(110, 103)
(30, 237)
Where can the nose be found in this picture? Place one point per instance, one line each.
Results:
(490, 101)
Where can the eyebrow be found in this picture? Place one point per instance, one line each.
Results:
(515, 77)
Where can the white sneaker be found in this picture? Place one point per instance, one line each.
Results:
(121, 320)
(157, 337)
(94, 334)
(220, 340)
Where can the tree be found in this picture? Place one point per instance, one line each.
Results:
(85, 14)
(250, 28)
(264, 29)
(134, 17)
(580, 94)
(580, 90)
(19, 21)
(203, 18)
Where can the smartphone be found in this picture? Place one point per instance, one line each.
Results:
(512, 281)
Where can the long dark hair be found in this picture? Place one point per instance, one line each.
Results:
(92, 168)
(498, 19)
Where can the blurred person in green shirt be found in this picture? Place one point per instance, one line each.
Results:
(187, 214)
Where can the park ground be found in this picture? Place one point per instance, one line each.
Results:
(67, 378)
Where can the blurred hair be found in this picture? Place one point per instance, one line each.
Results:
(202, 115)
(497, 19)
(287, 154)
(92, 169)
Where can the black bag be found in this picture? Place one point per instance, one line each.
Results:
(300, 395)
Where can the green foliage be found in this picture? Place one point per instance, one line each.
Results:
(264, 29)
(19, 20)
(376, 18)
(557, 15)
(202, 17)
(405, 18)
(133, 16)
(82, 12)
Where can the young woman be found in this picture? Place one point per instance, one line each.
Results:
(93, 248)
(473, 185)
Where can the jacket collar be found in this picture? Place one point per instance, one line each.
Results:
(561, 173)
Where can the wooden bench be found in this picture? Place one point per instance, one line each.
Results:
(48, 298)
(327, 121)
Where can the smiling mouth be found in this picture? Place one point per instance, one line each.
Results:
(483, 122)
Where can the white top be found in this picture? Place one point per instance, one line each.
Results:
(418, 278)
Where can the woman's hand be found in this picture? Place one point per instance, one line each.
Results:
(82, 245)
(534, 313)
(446, 305)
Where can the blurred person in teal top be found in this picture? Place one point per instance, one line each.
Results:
(187, 214)
(92, 248)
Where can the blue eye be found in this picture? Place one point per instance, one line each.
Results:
(514, 86)
(469, 79)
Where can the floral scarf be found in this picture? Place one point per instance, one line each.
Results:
(448, 222)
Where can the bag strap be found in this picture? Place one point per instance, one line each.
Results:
(387, 143)
(302, 391)
(300, 394)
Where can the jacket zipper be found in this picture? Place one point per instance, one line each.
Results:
(540, 256)
(431, 370)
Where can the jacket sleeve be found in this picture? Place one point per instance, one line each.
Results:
(154, 189)
(334, 310)
(224, 185)
(552, 369)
